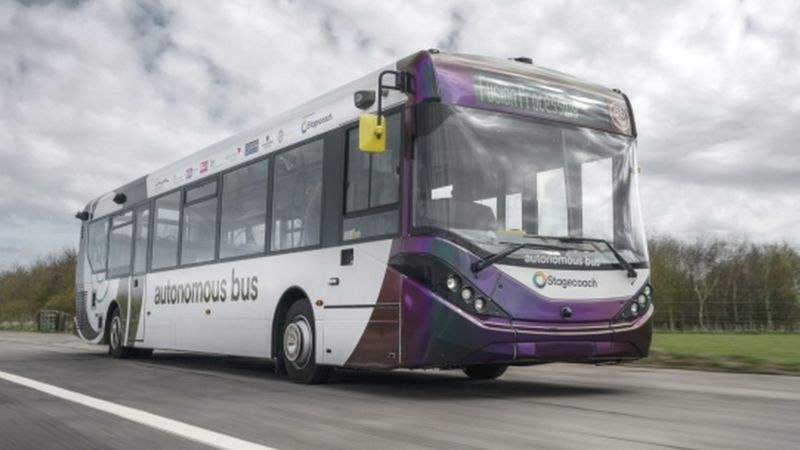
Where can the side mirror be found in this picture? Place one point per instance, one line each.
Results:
(371, 135)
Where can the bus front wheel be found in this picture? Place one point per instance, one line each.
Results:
(485, 371)
(299, 345)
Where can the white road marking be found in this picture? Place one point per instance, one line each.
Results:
(181, 429)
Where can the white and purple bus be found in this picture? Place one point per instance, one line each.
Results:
(447, 211)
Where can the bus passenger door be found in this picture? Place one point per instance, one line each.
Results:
(138, 280)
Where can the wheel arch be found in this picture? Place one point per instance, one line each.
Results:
(288, 297)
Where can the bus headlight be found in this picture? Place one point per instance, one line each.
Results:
(637, 306)
(453, 283)
(446, 282)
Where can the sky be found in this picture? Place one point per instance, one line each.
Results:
(94, 94)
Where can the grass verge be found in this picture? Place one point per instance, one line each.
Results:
(777, 353)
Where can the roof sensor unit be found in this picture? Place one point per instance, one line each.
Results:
(120, 198)
(523, 59)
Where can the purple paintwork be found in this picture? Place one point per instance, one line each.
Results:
(521, 302)
(449, 78)
(436, 333)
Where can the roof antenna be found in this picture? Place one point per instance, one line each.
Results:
(522, 59)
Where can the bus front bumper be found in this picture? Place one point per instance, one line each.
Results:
(534, 343)
(435, 333)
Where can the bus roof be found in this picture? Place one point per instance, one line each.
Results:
(467, 80)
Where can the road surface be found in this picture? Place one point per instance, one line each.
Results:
(554, 406)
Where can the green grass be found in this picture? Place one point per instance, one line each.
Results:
(745, 352)
(17, 326)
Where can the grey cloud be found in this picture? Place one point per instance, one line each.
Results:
(95, 94)
(450, 42)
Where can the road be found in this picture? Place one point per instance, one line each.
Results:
(554, 406)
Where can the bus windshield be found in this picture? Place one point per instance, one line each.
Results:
(493, 179)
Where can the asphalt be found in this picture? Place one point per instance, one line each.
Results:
(553, 406)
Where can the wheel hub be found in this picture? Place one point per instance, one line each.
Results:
(116, 332)
(297, 342)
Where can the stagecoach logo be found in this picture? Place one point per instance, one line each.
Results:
(236, 289)
(309, 123)
(619, 116)
(251, 147)
(280, 135)
(541, 280)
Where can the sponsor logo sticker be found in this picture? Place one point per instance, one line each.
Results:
(204, 166)
(280, 135)
(267, 142)
(251, 147)
(309, 124)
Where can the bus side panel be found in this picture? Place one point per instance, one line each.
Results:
(350, 305)
(84, 325)
(379, 346)
(229, 307)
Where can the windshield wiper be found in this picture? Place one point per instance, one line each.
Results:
(477, 266)
(622, 261)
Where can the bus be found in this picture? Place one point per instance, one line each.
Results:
(447, 211)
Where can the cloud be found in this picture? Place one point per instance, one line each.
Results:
(95, 94)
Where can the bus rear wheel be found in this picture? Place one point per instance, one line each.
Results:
(299, 345)
(485, 371)
(116, 338)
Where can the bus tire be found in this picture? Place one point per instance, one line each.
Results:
(485, 371)
(299, 345)
(116, 338)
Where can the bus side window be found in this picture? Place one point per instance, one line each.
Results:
(98, 245)
(120, 245)
(373, 181)
(165, 227)
(140, 239)
(199, 224)
(244, 210)
(297, 197)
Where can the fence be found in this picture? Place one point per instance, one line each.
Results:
(54, 321)
(45, 321)
(18, 322)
